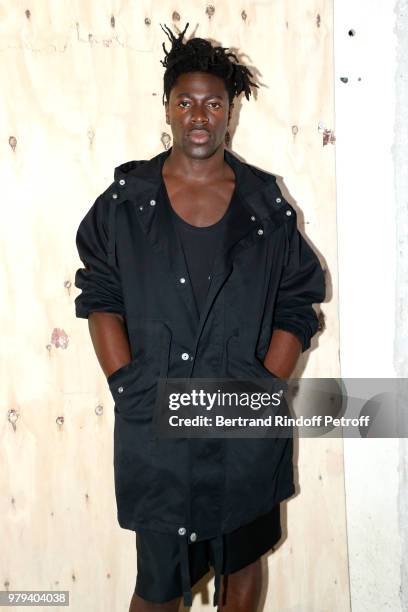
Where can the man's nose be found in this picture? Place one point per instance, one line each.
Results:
(199, 115)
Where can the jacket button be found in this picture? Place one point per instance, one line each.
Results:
(253, 218)
(114, 196)
(193, 537)
(185, 356)
(288, 212)
(140, 207)
(152, 202)
(120, 389)
(182, 531)
(278, 200)
(260, 232)
(122, 182)
(182, 279)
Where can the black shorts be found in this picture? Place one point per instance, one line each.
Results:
(158, 564)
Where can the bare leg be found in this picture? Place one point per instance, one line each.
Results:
(138, 604)
(242, 589)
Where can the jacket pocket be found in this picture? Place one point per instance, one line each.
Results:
(242, 365)
(131, 386)
(134, 385)
(240, 362)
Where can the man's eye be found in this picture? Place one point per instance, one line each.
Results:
(186, 103)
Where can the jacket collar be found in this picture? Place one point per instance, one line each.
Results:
(258, 189)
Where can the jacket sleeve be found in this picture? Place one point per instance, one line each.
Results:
(99, 281)
(302, 284)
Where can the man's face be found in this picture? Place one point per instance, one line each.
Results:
(198, 112)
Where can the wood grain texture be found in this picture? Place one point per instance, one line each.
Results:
(82, 93)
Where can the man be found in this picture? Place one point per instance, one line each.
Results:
(194, 267)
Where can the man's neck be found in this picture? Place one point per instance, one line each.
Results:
(193, 170)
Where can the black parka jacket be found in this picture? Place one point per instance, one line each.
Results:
(266, 278)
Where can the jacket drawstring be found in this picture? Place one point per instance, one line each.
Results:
(185, 572)
(218, 549)
(217, 545)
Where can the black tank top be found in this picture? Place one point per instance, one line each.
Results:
(200, 246)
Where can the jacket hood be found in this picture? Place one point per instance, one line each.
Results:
(130, 167)
(249, 177)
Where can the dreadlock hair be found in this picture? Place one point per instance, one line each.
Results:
(197, 54)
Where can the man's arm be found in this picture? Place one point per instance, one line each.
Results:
(110, 340)
(283, 353)
(101, 299)
(295, 322)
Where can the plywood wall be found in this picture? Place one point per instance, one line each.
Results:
(81, 90)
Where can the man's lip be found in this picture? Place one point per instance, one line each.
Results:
(199, 131)
(199, 135)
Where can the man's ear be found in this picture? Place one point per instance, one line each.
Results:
(166, 106)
